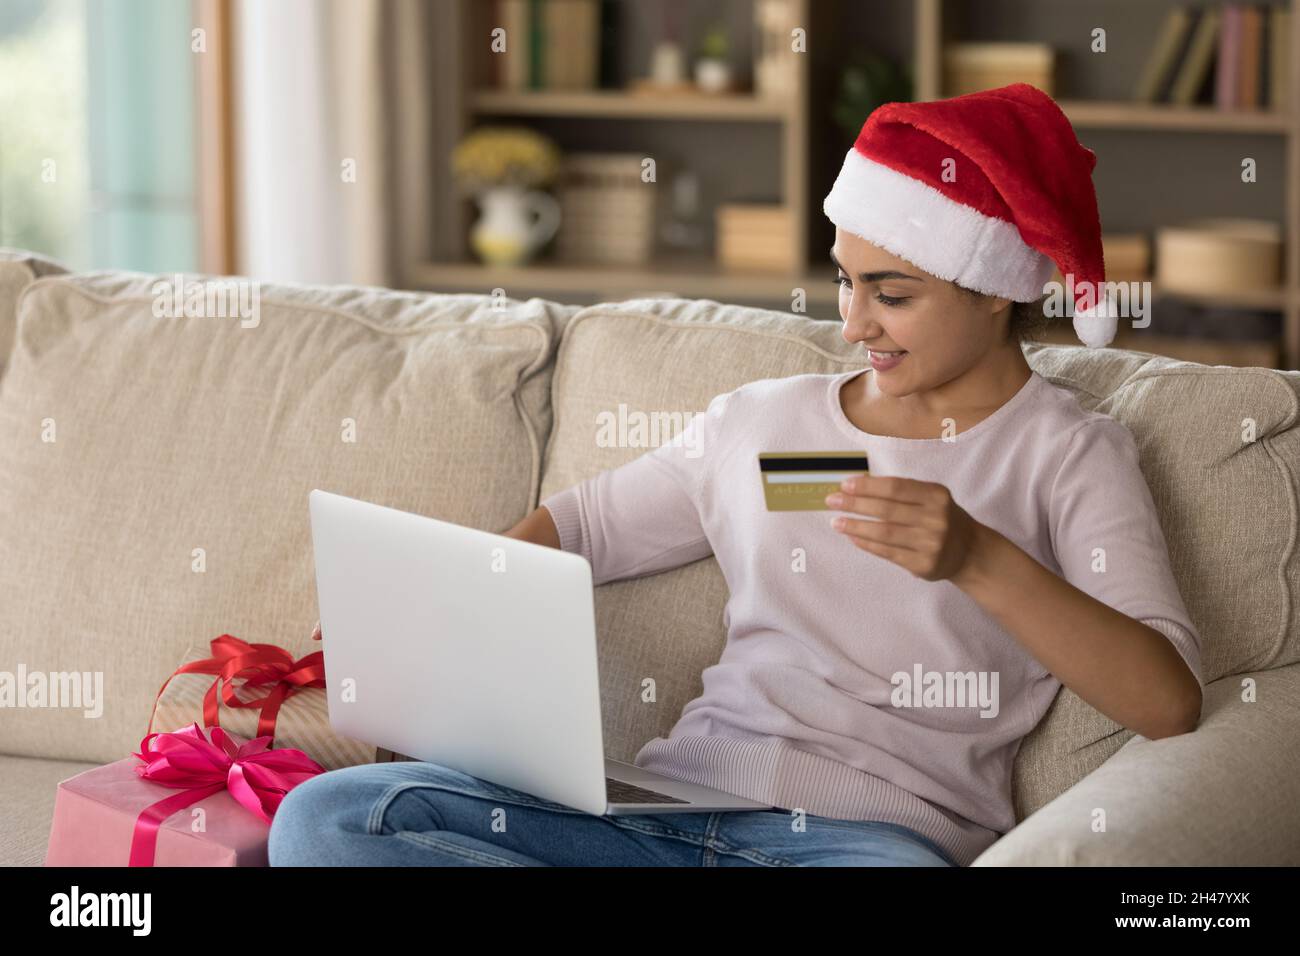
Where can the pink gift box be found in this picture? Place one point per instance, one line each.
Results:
(95, 814)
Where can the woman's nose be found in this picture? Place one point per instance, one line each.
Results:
(857, 327)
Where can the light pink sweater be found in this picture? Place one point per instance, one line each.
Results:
(802, 708)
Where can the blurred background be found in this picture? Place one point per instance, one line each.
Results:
(594, 150)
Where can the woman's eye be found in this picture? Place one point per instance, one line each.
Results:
(844, 282)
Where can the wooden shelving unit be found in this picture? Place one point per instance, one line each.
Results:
(692, 277)
(602, 104)
(684, 277)
(928, 53)
(1190, 119)
(791, 118)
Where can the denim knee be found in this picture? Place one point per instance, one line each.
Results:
(312, 813)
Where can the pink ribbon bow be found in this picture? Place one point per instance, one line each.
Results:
(256, 776)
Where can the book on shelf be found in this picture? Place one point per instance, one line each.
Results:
(1279, 58)
(550, 44)
(1164, 55)
(1248, 65)
(1228, 55)
(539, 37)
(512, 67)
(1196, 66)
(1227, 74)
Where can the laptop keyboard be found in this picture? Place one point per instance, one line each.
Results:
(620, 791)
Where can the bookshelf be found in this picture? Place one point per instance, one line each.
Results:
(930, 34)
(799, 172)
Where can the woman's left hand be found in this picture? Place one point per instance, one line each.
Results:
(921, 528)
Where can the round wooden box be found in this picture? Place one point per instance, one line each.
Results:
(1219, 256)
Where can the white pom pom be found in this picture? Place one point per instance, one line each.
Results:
(1096, 326)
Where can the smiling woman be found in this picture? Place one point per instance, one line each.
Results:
(950, 218)
(879, 695)
(937, 349)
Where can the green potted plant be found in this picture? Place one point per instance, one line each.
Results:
(712, 66)
(869, 80)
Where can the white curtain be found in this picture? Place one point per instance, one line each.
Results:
(319, 84)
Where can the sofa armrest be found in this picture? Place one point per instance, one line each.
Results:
(1225, 794)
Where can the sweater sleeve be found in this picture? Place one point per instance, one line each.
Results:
(645, 515)
(1107, 537)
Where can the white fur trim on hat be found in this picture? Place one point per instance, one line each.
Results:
(945, 238)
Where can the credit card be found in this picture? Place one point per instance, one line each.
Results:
(801, 480)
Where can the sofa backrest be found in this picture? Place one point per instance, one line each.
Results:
(155, 471)
(1219, 447)
(18, 269)
(170, 505)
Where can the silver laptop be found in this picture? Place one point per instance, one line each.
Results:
(475, 651)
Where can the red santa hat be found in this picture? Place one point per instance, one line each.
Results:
(990, 190)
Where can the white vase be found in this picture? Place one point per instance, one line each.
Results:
(713, 76)
(514, 224)
(667, 64)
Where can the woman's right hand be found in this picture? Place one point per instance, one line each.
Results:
(315, 634)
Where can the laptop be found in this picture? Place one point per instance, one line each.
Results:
(476, 651)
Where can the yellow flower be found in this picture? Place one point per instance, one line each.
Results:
(495, 155)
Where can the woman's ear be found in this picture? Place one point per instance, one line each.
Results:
(996, 304)
(996, 308)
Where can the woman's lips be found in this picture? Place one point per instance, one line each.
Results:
(883, 363)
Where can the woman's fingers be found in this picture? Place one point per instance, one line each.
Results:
(315, 633)
(888, 533)
(884, 508)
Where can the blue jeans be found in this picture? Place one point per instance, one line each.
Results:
(410, 813)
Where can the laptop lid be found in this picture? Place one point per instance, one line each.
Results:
(461, 647)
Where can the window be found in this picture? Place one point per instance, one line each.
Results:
(97, 155)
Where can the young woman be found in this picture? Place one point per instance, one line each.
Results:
(883, 661)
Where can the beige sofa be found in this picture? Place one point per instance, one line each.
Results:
(171, 506)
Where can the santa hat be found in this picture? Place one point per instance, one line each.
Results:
(991, 190)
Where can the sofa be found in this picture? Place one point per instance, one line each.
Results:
(154, 474)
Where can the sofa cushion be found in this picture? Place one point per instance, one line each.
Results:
(18, 269)
(27, 789)
(1220, 449)
(1224, 796)
(172, 505)
(1228, 507)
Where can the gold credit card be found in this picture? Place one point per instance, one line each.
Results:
(801, 480)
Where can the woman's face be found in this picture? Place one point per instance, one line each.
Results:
(944, 330)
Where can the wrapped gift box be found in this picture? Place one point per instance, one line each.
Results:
(302, 722)
(95, 814)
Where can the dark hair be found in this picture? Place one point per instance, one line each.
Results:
(1028, 320)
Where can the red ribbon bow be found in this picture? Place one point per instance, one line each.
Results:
(256, 665)
(256, 776)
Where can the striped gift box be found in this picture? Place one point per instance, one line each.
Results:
(303, 722)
